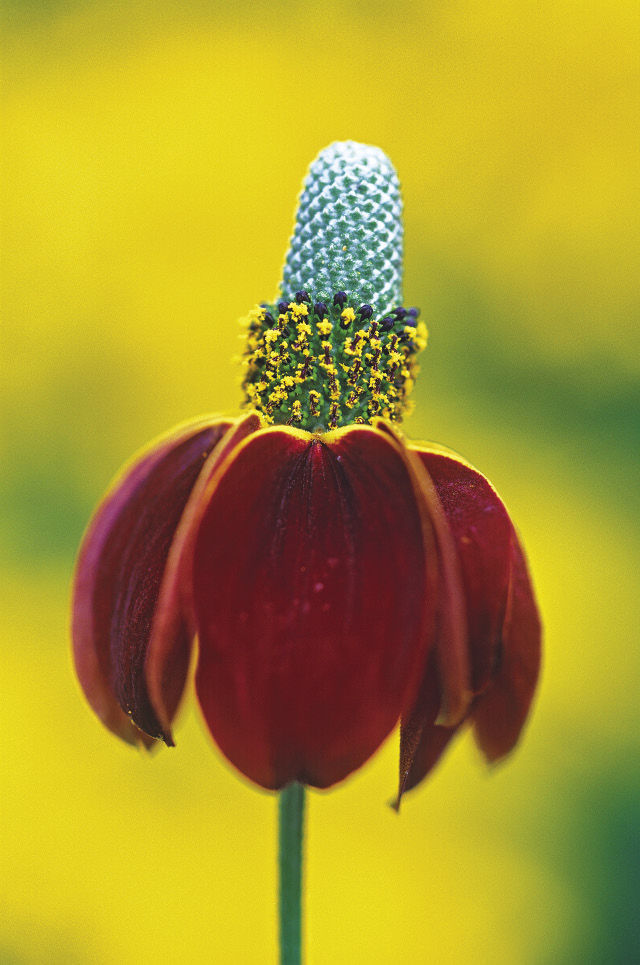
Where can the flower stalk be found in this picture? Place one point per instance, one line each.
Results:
(291, 803)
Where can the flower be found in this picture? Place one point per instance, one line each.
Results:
(338, 579)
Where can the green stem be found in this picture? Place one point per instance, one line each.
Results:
(290, 838)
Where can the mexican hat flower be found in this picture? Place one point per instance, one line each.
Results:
(338, 578)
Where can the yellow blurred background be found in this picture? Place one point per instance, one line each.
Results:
(152, 155)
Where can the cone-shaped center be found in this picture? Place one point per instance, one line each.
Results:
(335, 351)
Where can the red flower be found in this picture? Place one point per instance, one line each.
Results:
(337, 582)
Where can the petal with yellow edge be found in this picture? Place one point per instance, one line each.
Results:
(451, 638)
(175, 599)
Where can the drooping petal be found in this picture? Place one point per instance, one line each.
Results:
(175, 600)
(118, 577)
(481, 531)
(422, 740)
(451, 638)
(314, 584)
(483, 536)
(500, 714)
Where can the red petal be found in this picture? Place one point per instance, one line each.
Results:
(175, 600)
(118, 575)
(502, 711)
(422, 741)
(451, 643)
(313, 591)
(481, 530)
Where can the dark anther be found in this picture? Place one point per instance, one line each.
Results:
(339, 299)
(387, 323)
(302, 296)
(282, 307)
(373, 329)
(365, 311)
(413, 311)
(400, 312)
(344, 323)
(320, 308)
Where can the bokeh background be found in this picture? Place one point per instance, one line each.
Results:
(152, 153)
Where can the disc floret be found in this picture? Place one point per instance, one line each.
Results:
(322, 364)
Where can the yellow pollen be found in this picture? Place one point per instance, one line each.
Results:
(348, 315)
(349, 376)
(314, 400)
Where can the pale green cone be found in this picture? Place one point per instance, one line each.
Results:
(348, 232)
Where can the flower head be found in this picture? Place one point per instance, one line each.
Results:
(338, 579)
